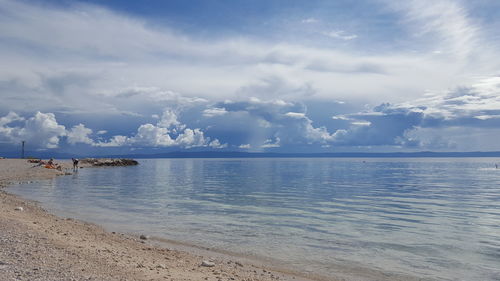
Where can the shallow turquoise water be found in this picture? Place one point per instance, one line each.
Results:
(437, 219)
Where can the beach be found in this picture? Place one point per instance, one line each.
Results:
(357, 222)
(36, 245)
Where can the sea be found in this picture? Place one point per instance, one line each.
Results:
(428, 218)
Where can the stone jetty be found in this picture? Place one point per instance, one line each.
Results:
(99, 162)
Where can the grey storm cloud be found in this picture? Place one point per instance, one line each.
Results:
(383, 126)
(473, 109)
(256, 124)
(272, 123)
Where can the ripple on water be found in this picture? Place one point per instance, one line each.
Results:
(432, 218)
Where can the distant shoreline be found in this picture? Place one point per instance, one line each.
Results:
(314, 155)
(237, 154)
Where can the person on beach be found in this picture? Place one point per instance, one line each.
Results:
(51, 165)
(75, 163)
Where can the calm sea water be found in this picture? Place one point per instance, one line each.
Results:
(438, 219)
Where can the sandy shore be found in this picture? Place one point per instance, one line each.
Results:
(36, 245)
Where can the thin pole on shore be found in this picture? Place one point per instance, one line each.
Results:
(22, 151)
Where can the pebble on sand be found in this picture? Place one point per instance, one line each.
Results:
(144, 237)
(161, 266)
(208, 264)
(19, 209)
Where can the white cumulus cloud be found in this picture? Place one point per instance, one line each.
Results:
(168, 132)
(79, 134)
(269, 143)
(40, 130)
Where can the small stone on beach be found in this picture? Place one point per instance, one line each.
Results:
(207, 264)
(3, 264)
(19, 209)
(144, 237)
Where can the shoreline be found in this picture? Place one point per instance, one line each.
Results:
(37, 245)
(107, 255)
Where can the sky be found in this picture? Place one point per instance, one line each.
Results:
(107, 77)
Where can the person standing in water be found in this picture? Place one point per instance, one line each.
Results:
(75, 163)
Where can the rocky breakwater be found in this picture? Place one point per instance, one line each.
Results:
(99, 162)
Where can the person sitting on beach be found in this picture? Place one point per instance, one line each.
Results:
(50, 164)
(75, 163)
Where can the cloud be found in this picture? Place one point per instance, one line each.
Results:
(272, 123)
(89, 64)
(151, 135)
(340, 34)
(462, 106)
(169, 119)
(115, 141)
(9, 118)
(79, 134)
(296, 115)
(216, 144)
(452, 120)
(168, 132)
(211, 112)
(445, 21)
(486, 117)
(384, 125)
(43, 131)
(191, 138)
(269, 143)
(40, 130)
(10, 134)
(446, 120)
(89, 69)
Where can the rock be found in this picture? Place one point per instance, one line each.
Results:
(161, 266)
(19, 209)
(3, 265)
(109, 162)
(144, 237)
(207, 264)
